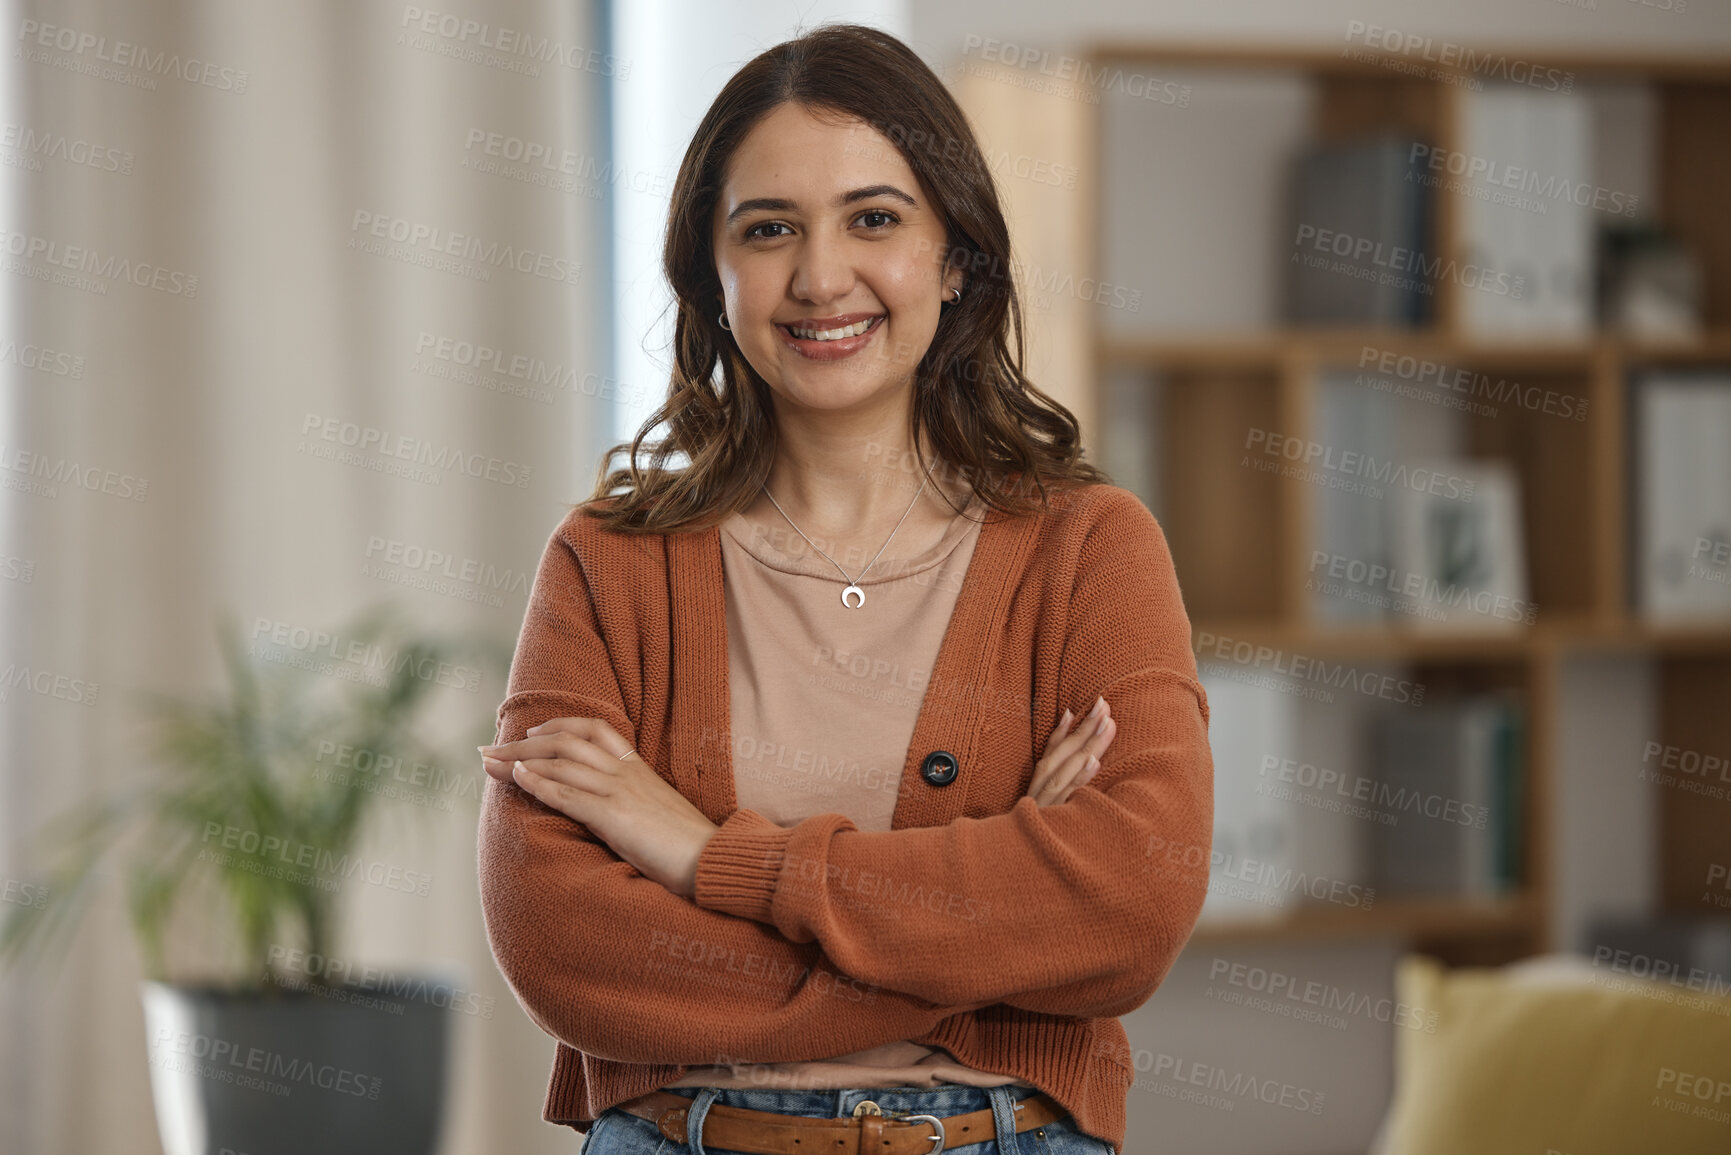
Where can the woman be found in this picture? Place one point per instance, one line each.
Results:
(772, 847)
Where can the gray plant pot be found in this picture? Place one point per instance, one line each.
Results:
(349, 1071)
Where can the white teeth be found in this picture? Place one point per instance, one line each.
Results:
(853, 330)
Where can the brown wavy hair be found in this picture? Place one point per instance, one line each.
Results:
(983, 416)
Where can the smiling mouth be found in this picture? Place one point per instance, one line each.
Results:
(838, 334)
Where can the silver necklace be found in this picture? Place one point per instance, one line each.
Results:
(853, 583)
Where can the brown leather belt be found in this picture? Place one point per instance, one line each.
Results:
(772, 1133)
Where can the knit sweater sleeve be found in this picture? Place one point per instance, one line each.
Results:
(613, 963)
(1090, 900)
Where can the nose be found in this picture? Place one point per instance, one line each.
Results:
(824, 272)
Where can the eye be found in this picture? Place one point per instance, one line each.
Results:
(753, 233)
(886, 218)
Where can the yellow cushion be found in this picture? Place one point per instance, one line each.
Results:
(1529, 1067)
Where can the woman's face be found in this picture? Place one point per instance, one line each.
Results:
(831, 258)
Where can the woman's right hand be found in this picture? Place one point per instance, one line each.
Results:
(1072, 756)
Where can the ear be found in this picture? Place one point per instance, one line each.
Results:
(954, 279)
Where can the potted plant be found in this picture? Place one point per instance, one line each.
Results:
(254, 806)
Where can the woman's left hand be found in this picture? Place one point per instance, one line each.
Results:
(574, 766)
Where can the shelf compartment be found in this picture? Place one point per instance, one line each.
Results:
(1691, 774)
(1207, 417)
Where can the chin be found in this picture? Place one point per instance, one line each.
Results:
(834, 392)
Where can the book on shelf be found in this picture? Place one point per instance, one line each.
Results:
(1407, 530)
(1350, 555)
(1360, 235)
(1526, 251)
(1682, 501)
(1253, 838)
(1508, 802)
(1459, 548)
(1452, 776)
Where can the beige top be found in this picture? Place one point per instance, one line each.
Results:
(823, 701)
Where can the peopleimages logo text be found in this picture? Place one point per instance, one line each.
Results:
(1304, 668)
(1478, 64)
(1398, 260)
(126, 55)
(369, 439)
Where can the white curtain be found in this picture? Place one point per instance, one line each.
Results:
(343, 181)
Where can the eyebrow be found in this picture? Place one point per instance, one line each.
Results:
(781, 205)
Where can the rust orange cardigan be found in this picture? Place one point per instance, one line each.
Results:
(1010, 935)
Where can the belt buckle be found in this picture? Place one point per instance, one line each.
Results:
(937, 1124)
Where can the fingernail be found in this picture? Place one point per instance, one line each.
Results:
(1093, 766)
(518, 768)
(1065, 720)
(484, 749)
(1099, 707)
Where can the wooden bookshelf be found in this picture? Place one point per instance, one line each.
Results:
(1268, 350)
(1239, 537)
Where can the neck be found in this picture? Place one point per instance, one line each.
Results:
(841, 481)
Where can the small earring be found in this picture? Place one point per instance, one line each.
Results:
(721, 319)
(957, 299)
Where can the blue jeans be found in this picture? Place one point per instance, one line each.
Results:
(619, 1132)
